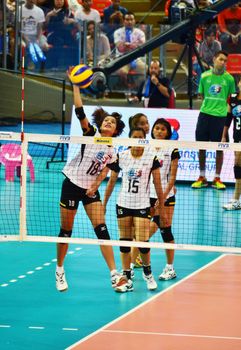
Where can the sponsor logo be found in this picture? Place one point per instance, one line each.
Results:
(143, 142)
(134, 173)
(64, 138)
(103, 140)
(223, 145)
(215, 89)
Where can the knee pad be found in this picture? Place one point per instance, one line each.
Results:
(237, 172)
(156, 219)
(65, 233)
(144, 250)
(102, 232)
(125, 249)
(167, 235)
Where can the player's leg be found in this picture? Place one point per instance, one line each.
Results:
(202, 134)
(216, 130)
(167, 236)
(68, 207)
(142, 232)
(234, 203)
(125, 225)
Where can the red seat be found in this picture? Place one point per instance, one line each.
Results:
(234, 63)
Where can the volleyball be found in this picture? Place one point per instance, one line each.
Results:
(81, 75)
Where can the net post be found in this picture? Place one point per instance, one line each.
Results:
(23, 191)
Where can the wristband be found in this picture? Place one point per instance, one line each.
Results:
(79, 111)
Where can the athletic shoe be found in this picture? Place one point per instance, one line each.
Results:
(124, 285)
(218, 184)
(61, 283)
(114, 279)
(200, 183)
(138, 262)
(233, 204)
(167, 274)
(150, 281)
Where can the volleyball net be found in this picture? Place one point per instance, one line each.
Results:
(30, 194)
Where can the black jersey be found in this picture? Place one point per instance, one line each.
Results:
(235, 105)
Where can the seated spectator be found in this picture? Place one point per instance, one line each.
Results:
(207, 50)
(229, 22)
(103, 47)
(61, 27)
(86, 13)
(113, 19)
(155, 90)
(10, 16)
(128, 38)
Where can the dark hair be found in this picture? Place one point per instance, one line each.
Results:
(136, 129)
(100, 114)
(91, 22)
(134, 120)
(129, 13)
(164, 122)
(220, 52)
(210, 30)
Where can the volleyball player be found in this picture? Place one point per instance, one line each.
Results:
(234, 114)
(133, 205)
(138, 120)
(84, 174)
(168, 159)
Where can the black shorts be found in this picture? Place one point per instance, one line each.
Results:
(209, 127)
(138, 213)
(169, 202)
(71, 195)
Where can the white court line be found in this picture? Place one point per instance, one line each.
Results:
(70, 329)
(173, 334)
(5, 326)
(38, 268)
(146, 302)
(36, 327)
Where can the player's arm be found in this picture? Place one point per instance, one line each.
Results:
(79, 110)
(172, 178)
(110, 186)
(94, 187)
(227, 124)
(158, 187)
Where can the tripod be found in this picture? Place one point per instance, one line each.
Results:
(191, 49)
(60, 146)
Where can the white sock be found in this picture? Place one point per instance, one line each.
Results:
(113, 272)
(217, 175)
(169, 266)
(202, 173)
(132, 266)
(59, 269)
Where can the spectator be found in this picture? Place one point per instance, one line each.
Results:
(45, 5)
(103, 47)
(32, 23)
(86, 13)
(10, 15)
(114, 13)
(60, 26)
(229, 22)
(155, 90)
(128, 38)
(113, 19)
(207, 50)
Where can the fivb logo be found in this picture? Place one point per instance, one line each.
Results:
(64, 138)
(143, 142)
(223, 145)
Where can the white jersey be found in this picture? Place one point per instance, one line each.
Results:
(30, 20)
(137, 35)
(165, 158)
(88, 162)
(136, 172)
(93, 15)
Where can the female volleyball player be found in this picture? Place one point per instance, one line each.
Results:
(168, 159)
(133, 204)
(84, 174)
(234, 113)
(138, 120)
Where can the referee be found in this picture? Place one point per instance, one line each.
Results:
(216, 85)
